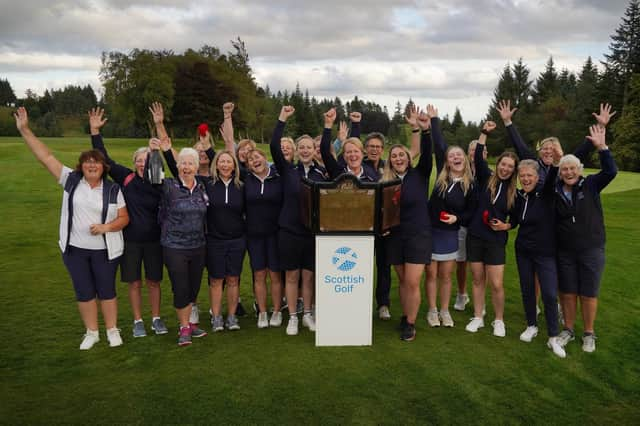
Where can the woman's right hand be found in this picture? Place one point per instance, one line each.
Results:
(157, 112)
(96, 120)
(154, 144)
(329, 118)
(504, 108)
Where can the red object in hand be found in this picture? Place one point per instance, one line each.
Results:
(203, 129)
(485, 217)
(444, 216)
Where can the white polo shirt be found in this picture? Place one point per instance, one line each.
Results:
(87, 210)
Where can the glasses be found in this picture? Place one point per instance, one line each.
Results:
(374, 147)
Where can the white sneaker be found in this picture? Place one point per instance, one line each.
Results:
(90, 338)
(461, 302)
(589, 343)
(194, 318)
(432, 318)
(292, 326)
(474, 324)
(113, 336)
(565, 337)
(276, 319)
(309, 322)
(499, 329)
(446, 319)
(554, 344)
(383, 313)
(263, 320)
(529, 333)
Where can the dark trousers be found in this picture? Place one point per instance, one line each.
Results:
(545, 266)
(185, 268)
(383, 283)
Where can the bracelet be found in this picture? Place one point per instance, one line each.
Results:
(415, 130)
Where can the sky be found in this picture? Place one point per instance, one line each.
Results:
(450, 54)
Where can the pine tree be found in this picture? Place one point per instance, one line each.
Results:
(546, 84)
(7, 96)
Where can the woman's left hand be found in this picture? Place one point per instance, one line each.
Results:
(99, 228)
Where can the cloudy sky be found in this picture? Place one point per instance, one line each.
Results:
(448, 53)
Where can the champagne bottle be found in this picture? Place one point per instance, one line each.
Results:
(156, 169)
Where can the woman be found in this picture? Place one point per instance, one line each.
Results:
(450, 205)
(141, 235)
(296, 247)
(226, 242)
(92, 217)
(352, 153)
(487, 232)
(536, 248)
(263, 200)
(581, 237)
(408, 246)
(182, 234)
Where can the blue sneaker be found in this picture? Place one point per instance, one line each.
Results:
(159, 327)
(138, 329)
(197, 332)
(232, 323)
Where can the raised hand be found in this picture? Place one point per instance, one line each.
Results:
(605, 115)
(329, 118)
(227, 109)
(432, 111)
(22, 119)
(489, 126)
(96, 120)
(504, 108)
(157, 112)
(355, 117)
(423, 121)
(165, 144)
(154, 144)
(557, 153)
(412, 117)
(342, 131)
(286, 112)
(597, 137)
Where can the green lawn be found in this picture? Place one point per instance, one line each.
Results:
(262, 376)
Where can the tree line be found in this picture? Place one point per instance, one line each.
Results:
(194, 84)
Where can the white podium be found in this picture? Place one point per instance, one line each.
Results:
(344, 290)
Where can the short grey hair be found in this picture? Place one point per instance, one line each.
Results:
(189, 152)
(141, 150)
(571, 159)
(532, 164)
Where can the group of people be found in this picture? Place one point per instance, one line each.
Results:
(220, 204)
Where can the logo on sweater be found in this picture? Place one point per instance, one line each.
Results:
(344, 259)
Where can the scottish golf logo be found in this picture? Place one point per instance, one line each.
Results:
(344, 259)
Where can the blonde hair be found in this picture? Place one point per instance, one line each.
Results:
(244, 142)
(492, 186)
(444, 178)
(354, 141)
(552, 140)
(389, 174)
(236, 168)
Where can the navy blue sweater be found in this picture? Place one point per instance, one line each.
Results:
(496, 208)
(454, 199)
(414, 210)
(225, 215)
(524, 153)
(290, 216)
(580, 221)
(534, 213)
(263, 200)
(334, 168)
(143, 199)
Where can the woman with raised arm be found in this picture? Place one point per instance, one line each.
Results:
(296, 246)
(141, 235)
(536, 247)
(451, 205)
(581, 237)
(352, 153)
(92, 217)
(263, 199)
(408, 245)
(182, 215)
(487, 232)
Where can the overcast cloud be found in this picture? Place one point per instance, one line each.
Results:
(449, 53)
